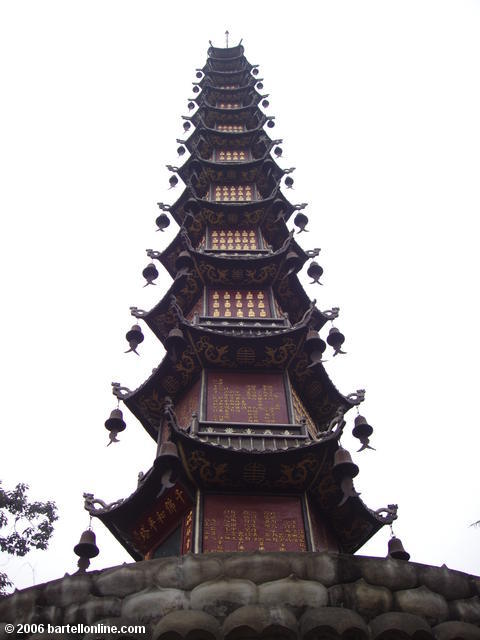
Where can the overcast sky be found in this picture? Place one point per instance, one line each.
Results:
(378, 103)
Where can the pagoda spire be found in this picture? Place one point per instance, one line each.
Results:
(246, 421)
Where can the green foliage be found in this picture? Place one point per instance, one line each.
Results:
(30, 525)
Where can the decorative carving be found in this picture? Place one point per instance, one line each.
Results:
(90, 501)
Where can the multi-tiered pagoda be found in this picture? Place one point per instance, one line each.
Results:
(246, 420)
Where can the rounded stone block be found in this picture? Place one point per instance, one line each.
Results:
(393, 574)
(466, 610)
(272, 622)
(220, 597)
(452, 585)
(152, 604)
(257, 567)
(92, 610)
(293, 592)
(194, 570)
(422, 602)
(120, 581)
(20, 606)
(68, 590)
(368, 600)
(112, 623)
(323, 567)
(456, 630)
(328, 620)
(186, 624)
(400, 624)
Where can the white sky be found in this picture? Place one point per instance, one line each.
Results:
(378, 103)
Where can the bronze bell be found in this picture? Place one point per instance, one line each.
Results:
(314, 271)
(289, 182)
(255, 71)
(300, 221)
(265, 104)
(173, 181)
(86, 549)
(150, 273)
(278, 151)
(184, 260)
(343, 466)
(186, 126)
(174, 342)
(196, 89)
(162, 221)
(168, 449)
(115, 422)
(315, 347)
(260, 85)
(270, 124)
(361, 428)
(181, 150)
(191, 105)
(396, 550)
(335, 339)
(134, 337)
(199, 74)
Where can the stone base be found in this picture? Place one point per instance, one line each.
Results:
(236, 596)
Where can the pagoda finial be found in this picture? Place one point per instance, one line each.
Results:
(226, 38)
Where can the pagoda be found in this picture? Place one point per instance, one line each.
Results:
(246, 421)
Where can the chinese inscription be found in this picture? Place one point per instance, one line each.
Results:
(250, 523)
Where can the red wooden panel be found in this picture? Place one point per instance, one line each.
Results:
(187, 404)
(251, 523)
(246, 397)
(160, 520)
(232, 303)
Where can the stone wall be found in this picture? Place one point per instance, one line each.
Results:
(237, 596)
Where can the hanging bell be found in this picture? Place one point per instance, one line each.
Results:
(335, 339)
(343, 466)
(86, 549)
(134, 337)
(255, 71)
(184, 261)
(174, 342)
(199, 74)
(115, 422)
(315, 347)
(150, 273)
(259, 85)
(292, 263)
(289, 182)
(181, 150)
(278, 151)
(186, 126)
(191, 105)
(314, 271)
(196, 89)
(265, 104)
(173, 181)
(270, 124)
(162, 221)
(396, 550)
(301, 222)
(362, 430)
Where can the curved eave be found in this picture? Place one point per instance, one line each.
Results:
(208, 79)
(216, 349)
(246, 115)
(226, 53)
(220, 139)
(209, 90)
(208, 106)
(229, 213)
(293, 299)
(260, 171)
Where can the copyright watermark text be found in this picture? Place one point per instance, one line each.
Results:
(27, 629)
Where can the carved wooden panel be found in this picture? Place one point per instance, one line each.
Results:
(251, 523)
(228, 105)
(231, 128)
(301, 412)
(232, 303)
(231, 155)
(233, 192)
(246, 397)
